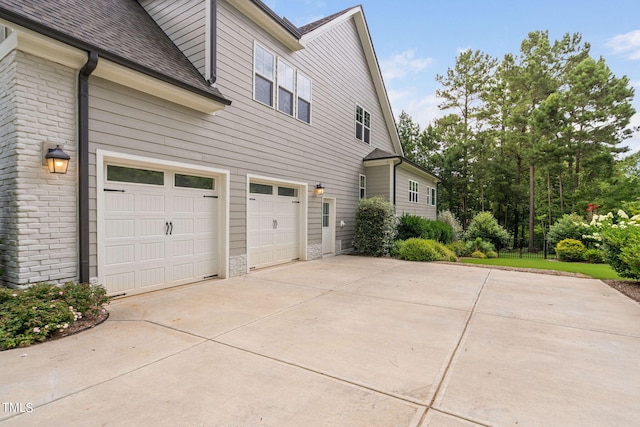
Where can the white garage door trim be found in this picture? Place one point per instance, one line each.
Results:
(104, 157)
(302, 188)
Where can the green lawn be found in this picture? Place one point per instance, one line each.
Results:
(597, 271)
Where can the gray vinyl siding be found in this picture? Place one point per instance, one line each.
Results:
(249, 137)
(378, 181)
(185, 24)
(403, 205)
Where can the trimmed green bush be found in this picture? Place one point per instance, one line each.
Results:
(32, 315)
(594, 256)
(570, 250)
(375, 227)
(568, 227)
(459, 248)
(486, 227)
(416, 249)
(410, 226)
(492, 254)
(478, 254)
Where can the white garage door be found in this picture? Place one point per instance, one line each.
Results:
(273, 224)
(160, 229)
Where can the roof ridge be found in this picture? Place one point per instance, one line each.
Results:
(320, 22)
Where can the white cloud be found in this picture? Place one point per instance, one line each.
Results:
(627, 44)
(423, 108)
(402, 64)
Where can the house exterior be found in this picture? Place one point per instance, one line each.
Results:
(201, 135)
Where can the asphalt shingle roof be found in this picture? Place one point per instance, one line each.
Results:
(119, 30)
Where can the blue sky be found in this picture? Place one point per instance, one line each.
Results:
(417, 39)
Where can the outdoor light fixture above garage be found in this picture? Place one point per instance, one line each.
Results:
(57, 160)
(319, 189)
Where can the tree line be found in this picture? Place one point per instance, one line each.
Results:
(529, 137)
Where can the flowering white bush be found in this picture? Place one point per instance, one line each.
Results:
(619, 237)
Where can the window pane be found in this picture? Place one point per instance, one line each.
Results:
(304, 87)
(264, 90)
(260, 188)
(138, 176)
(359, 114)
(367, 135)
(287, 192)
(286, 76)
(190, 181)
(359, 131)
(367, 119)
(285, 101)
(304, 111)
(264, 62)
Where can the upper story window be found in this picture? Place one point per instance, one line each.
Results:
(414, 191)
(433, 196)
(279, 85)
(286, 87)
(363, 186)
(363, 125)
(304, 98)
(264, 75)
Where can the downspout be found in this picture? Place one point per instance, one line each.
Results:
(395, 182)
(213, 42)
(83, 165)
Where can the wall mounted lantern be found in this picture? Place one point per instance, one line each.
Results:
(319, 189)
(57, 160)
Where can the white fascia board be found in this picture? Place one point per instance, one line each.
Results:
(267, 23)
(357, 14)
(127, 77)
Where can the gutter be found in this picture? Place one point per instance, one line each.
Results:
(213, 42)
(83, 165)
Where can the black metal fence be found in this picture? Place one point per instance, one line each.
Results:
(520, 248)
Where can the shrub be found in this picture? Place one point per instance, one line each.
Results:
(479, 245)
(478, 254)
(486, 227)
(375, 227)
(410, 226)
(396, 247)
(492, 254)
(570, 250)
(449, 218)
(568, 227)
(620, 240)
(32, 315)
(594, 256)
(416, 249)
(459, 248)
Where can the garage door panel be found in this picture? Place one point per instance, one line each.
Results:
(158, 236)
(151, 203)
(119, 202)
(119, 228)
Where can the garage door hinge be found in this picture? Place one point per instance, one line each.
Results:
(111, 189)
(210, 277)
(210, 197)
(251, 198)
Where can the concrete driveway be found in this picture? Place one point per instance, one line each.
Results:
(345, 341)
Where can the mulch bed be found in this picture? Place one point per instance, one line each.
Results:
(629, 288)
(79, 326)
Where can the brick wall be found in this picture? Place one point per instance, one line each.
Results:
(38, 209)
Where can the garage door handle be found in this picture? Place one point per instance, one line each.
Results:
(166, 228)
(170, 228)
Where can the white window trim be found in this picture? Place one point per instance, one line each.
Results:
(414, 191)
(272, 80)
(360, 187)
(434, 195)
(428, 195)
(293, 91)
(364, 113)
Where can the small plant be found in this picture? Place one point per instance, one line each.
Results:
(594, 256)
(479, 245)
(570, 250)
(416, 249)
(478, 254)
(34, 314)
(375, 227)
